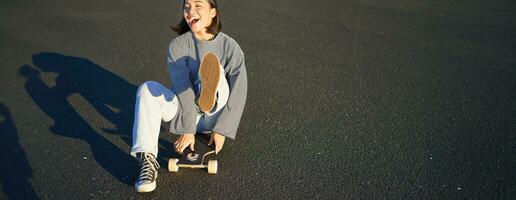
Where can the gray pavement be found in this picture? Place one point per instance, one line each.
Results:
(352, 99)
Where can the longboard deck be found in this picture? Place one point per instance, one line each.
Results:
(197, 158)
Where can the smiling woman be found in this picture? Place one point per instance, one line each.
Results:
(208, 93)
(205, 11)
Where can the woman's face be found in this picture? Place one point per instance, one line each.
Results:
(198, 14)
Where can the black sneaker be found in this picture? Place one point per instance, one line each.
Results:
(146, 181)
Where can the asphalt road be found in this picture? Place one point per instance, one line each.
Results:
(355, 99)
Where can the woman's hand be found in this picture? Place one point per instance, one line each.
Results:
(185, 140)
(218, 139)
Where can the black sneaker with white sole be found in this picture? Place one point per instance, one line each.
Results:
(146, 181)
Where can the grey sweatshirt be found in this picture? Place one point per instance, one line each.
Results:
(184, 55)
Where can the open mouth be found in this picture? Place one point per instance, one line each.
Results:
(193, 21)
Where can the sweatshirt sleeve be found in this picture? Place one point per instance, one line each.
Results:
(229, 119)
(182, 87)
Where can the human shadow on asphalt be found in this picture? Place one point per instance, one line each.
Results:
(108, 93)
(15, 170)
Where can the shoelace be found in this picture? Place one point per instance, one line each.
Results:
(149, 167)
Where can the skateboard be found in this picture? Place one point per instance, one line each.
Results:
(197, 158)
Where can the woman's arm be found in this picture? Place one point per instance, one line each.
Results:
(182, 87)
(229, 119)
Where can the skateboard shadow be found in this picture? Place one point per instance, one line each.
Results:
(15, 171)
(108, 93)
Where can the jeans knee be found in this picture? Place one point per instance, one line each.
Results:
(144, 88)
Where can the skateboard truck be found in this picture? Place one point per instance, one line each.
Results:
(212, 165)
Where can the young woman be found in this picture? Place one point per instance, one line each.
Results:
(208, 94)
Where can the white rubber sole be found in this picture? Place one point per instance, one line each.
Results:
(145, 188)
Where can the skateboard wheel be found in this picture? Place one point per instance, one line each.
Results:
(172, 165)
(212, 166)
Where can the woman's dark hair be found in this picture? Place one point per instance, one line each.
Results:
(213, 28)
